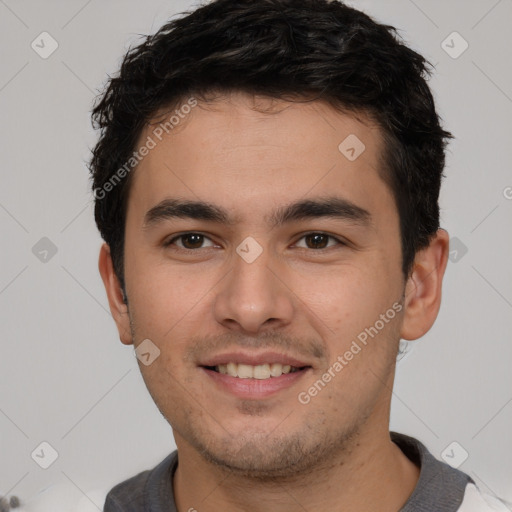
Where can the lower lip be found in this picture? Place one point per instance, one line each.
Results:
(255, 388)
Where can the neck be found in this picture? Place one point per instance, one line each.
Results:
(370, 474)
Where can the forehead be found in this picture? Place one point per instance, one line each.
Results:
(249, 153)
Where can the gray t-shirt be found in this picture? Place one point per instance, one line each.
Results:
(440, 487)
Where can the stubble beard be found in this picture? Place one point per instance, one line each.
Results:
(268, 457)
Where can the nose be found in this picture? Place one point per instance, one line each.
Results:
(252, 298)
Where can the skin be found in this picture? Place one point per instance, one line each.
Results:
(335, 452)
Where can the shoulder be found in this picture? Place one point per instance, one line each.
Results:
(477, 501)
(127, 495)
(138, 493)
(441, 486)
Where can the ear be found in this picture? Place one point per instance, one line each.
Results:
(423, 287)
(118, 308)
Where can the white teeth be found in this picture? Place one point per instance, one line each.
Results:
(276, 369)
(245, 371)
(260, 371)
(231, 369)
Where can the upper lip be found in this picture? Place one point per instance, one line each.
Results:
(253, 359)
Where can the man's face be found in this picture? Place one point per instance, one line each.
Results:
(302, 286)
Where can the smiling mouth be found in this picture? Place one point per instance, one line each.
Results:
(260, 371)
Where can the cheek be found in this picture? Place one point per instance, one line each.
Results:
(344, 297)
(165, 295)
(347, 304)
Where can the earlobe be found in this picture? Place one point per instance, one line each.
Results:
(116, 299)
(423, 288)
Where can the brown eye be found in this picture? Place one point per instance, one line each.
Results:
(318, 241)
(190, 241)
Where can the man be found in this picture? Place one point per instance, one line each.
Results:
(267, 182)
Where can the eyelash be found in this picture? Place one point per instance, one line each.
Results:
(331, 237)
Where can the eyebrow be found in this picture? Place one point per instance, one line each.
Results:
(330, 207)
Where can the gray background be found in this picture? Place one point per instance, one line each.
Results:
(65, 377)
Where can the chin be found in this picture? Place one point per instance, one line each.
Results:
(262, 459)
